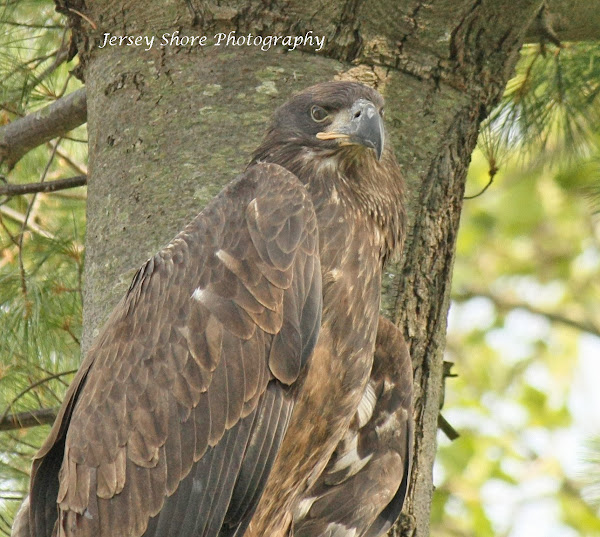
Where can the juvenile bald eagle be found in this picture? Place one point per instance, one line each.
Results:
(223, 381)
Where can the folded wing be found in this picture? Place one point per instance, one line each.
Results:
(174, 419)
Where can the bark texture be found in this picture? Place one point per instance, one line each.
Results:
(574, 20)
(169, 126)
(558, 21)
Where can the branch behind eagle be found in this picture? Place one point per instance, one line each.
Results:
(240, 357)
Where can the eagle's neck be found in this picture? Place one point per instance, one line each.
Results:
(369, 191)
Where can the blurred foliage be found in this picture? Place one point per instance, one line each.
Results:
(524, 325)
(551, 104)
(524, 313)
(591, 490)
(33, 49)
(41, 243)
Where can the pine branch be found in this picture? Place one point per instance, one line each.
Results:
(34, 26)
(24, 134)
(34, 202)
(18, 217)
(33, 418)
(40, 382)
(62, 55)
(51, 186)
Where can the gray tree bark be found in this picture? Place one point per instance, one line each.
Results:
(168, 127)
(56, 119)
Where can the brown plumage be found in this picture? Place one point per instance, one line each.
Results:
(223, 381)
(362, 489)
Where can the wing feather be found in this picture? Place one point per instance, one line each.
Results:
(165, 420)
(202, 429)
(362, 489)
(262, 449)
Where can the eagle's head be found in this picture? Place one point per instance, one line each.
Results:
(332, 115)
(331, 136)
(326, 118)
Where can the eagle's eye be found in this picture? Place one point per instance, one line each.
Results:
(318, 114)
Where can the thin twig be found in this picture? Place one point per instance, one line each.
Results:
(20, 218)
(447, 429)
(34, 26)
(505, 304)
(67, 328)
(543, 26)
(63, 90)
(84, 17)
(26, 219)
(62, 55)
(20, 440)
(40, 59)
(35, 393)
(78, 168)
(492, 173)
(12, 237)
(11, 110)
(48, 372)
(76, 140)
(31, 387)
(50, 186)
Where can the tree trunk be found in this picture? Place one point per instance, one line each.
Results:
(168, 127)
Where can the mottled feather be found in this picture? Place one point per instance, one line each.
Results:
(163, 390)
(362, 489)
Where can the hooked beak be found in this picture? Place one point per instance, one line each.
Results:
(361, 125)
